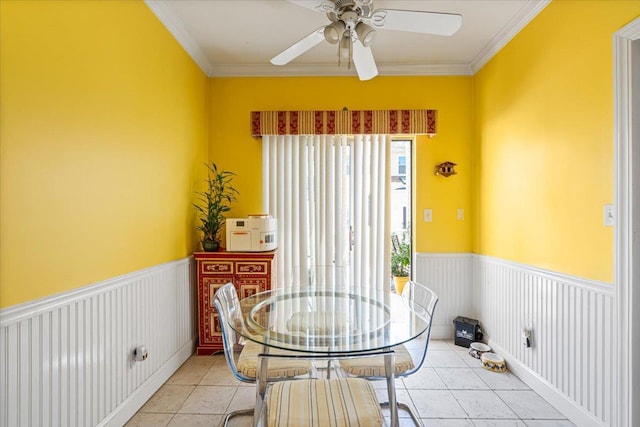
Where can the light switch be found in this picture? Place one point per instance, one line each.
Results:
(460, 214)
(427, 215)
(608, 215)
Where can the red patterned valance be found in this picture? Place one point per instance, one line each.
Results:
(343, 122)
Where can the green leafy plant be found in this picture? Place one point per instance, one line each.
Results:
(401, 256)
(215, 202)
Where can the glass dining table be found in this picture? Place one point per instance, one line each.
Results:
(330, 323)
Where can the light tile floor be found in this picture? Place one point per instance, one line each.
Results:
(451, 389)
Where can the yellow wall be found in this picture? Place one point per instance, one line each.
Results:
(105, 124)
(103, 129)
(544, 126)
(232, 147)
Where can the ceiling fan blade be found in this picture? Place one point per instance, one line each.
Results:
(299, 47)
(364, 61)
(443, 24)
(323, 6)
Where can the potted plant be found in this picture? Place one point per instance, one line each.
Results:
(400, 261)
(213, 204)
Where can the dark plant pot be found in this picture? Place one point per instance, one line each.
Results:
(210, 246)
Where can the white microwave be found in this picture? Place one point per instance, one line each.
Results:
(253, 234)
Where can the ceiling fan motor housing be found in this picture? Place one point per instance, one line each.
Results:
(347, 21)
(362, 9)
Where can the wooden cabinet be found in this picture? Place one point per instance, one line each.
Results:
(250, 272)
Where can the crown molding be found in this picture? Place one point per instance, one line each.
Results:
(168, 17)
(529, 11)
(268, 70)
(425, 70)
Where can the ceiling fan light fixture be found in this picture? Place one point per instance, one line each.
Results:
(366, 34)
(333, 32)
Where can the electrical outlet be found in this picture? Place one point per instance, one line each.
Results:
(460, 214)
(427, 215)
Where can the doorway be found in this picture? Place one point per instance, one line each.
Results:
(627, 204)
(400, 208)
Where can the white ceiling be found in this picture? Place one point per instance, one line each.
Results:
(239, 37)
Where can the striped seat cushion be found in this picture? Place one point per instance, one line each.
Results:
(374, 366)
(340, 402)
(278, 368)
(317, 322)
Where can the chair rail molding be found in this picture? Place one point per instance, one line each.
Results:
(68, 359)
(573, 361)
(450, 276)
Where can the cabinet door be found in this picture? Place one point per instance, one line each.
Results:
(210, 333)
(252, 276)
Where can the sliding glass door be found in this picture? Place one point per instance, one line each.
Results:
(330, 196)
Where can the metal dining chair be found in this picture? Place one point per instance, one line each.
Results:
(242, 357)
(408, 358)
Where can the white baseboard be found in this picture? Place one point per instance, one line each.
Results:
(68, 359)
(442, 332)
(142, 394)
(572, 363)
(568, 407)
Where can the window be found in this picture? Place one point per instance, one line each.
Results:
(402, 165)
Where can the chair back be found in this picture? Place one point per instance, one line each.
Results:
(423, 302)
(228, 305)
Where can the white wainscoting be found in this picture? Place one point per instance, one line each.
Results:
(572, 362)
(67, 360)
(450, 276)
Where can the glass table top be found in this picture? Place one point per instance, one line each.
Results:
(342, 320)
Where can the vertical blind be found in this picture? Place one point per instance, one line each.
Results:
(329, 194)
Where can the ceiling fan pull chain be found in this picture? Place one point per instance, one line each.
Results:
(350, 53)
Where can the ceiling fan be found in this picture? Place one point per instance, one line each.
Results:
(353, 28)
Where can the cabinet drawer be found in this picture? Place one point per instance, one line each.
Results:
(207, 267)
(252, 267)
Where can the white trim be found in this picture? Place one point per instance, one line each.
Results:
(601, 287)
(573, 357)
(76, 347)
(142, 394)
(577, 414)
(19, 312)
(166, 14)
(168, 17)
(450, 276)
(254, 70)
(625, 251)
(529, 11)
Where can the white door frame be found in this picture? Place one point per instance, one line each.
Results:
(627, 230)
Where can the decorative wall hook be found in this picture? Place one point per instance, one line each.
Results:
(446, 169)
